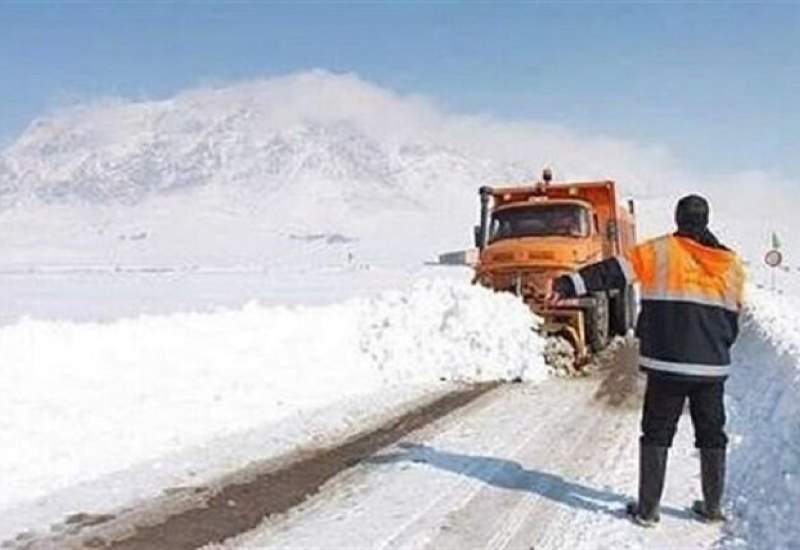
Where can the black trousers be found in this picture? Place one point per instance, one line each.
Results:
(663, 404)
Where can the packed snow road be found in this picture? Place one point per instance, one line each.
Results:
(526, 466)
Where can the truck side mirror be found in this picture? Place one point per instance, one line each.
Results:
(477, 232)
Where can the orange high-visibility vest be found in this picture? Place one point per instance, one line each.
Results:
(680, 269)
(691, 296)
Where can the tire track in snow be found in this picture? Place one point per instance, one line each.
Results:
(466, 491)
(356, 491)
(521, 514)
(572, 439)
(536, 489)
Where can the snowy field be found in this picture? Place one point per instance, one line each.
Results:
(104, 293)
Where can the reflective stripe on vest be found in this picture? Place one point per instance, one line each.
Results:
(693, 369)
(661, 251)
(726, 302)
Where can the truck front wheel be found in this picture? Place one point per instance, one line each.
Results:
(623, 311)
(597, 322)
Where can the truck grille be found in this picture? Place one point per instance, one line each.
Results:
(503, 257)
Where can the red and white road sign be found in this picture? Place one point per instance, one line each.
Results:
(773, 258)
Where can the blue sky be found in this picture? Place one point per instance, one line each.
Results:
(718, 84)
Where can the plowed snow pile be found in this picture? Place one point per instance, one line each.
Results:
(83, 400)
(764, 406)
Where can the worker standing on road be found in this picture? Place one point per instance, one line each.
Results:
(691, 294)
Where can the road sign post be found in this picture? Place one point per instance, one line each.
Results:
(773, 259)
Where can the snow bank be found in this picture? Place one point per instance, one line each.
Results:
(764, 405)
(84, 400)
(776, 318)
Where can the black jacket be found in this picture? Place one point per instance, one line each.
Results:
(691, 292)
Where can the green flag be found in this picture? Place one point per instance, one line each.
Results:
(776, 242)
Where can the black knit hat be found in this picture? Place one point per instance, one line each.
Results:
(692, 213)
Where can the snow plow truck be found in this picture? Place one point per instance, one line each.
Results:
(530, 234)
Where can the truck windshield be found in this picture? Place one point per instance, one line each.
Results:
(542, 220)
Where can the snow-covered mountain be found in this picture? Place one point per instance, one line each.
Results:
(234, 139)
(52, 163)
(219, 172)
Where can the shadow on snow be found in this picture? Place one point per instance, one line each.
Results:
(507, 474)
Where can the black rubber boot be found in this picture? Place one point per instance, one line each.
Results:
(712, 478)
(652, 468)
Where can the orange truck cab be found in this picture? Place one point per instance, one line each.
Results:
(530, 234)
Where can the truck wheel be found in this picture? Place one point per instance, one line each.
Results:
(597, 322)
(633, 307)
(623, 311)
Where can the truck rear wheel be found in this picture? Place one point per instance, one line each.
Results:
(597, 322)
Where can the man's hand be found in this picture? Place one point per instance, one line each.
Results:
(553, 298)
(560, 289)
